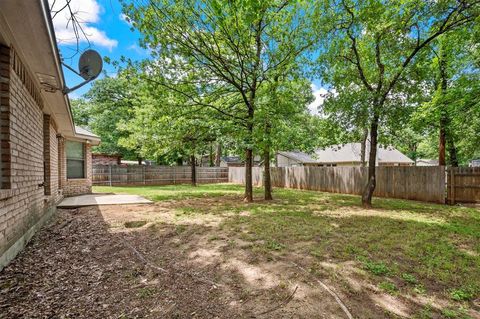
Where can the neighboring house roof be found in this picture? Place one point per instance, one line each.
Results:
(351, 152)
(300, 157)
(231, 159)
(426, 162)
(475, 163)
(348, 153)
(237, 159)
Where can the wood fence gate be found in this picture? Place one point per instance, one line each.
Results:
(463, 185)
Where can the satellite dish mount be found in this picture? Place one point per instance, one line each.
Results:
(89, 67)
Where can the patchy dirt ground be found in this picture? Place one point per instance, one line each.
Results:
(85, 264)
(189, 258)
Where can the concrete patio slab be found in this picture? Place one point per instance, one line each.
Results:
(102, 199)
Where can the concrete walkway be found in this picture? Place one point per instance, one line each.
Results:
(101, 199)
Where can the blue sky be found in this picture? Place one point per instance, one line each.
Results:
(108, 33)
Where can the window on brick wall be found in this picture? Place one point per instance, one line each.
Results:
(75, 159)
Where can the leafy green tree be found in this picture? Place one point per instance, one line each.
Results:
(103, 107)
(80, 112)
(451, 111)
(371, 46)
(282, 105)
(164, 130)
(226, 50)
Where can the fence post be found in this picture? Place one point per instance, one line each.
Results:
(452, 186)
(110, 174)
(174, 176)
(143, 174)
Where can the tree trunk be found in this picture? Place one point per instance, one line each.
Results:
(372, 183)
(179, 161)
(442, 73)
(442, 142)
(210, 157)
(452, 151)
(194, 170)
(267, 183)
(139, 159)
(248, 175)
(218, 154)
(363, 146)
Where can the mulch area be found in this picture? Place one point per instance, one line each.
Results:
(77, 268)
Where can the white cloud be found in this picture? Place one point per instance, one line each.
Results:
(136, 48)
(123, 17)
(319, 94)
(87, 13)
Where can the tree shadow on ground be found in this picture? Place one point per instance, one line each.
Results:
(81, 267)
(221, 258)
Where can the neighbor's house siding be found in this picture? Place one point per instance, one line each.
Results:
(77, 186)
(23, 204)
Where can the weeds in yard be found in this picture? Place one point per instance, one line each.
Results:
(419, 289)
(376, 268)
(389, 287)
(409, 278)
(464, 294)
(146, 292)
(459, 313)
(274, 245)
(430, 247)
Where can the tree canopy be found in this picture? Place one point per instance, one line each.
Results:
(235, 77)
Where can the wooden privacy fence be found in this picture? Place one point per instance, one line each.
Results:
(115, 175)
(417, 183)
(463, 185)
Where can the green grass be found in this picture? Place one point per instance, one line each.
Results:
(429, 248)
(173, 192)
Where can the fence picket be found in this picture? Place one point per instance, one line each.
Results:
(114, 175)
(417, 183)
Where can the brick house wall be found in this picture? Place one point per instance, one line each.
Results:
(51, 144)
(23, 204)
(104, 159)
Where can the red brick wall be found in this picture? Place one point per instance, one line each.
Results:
(23, 202)
(101, 159)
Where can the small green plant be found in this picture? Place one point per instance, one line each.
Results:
(376, 268)
(389, 287)
(274, 245)
(146, 292)
(419, 289)
(455, 313)
(425, 313)
(449, 313)
(409, 278)
(463, 294)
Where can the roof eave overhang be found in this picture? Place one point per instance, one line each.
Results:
(27, 27)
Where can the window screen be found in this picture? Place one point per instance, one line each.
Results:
(75, 159)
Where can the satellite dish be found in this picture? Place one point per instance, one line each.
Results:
(90, 64)
(89, 67)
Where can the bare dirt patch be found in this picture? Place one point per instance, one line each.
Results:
(86, 265)
(195, 258)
